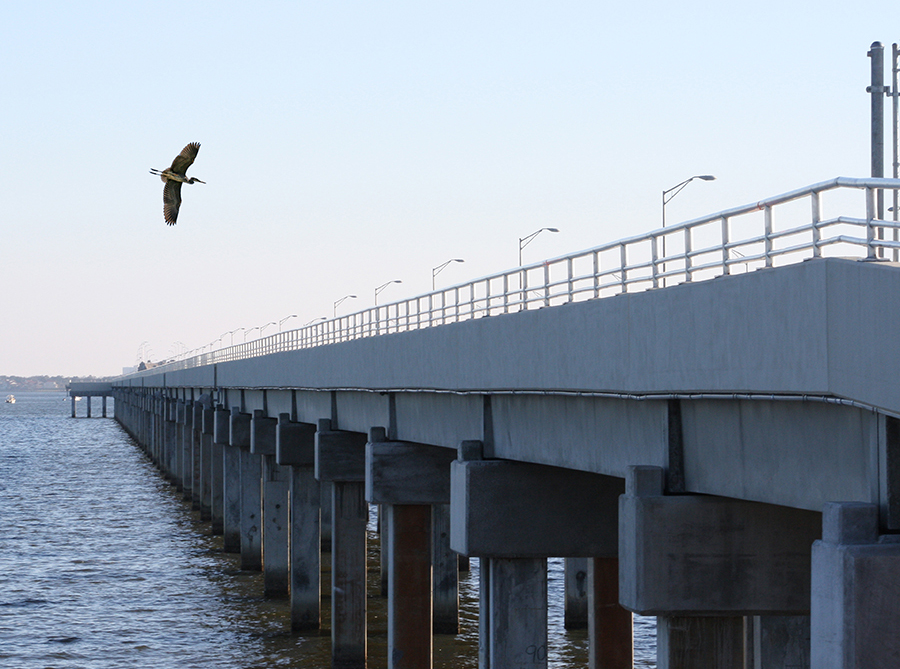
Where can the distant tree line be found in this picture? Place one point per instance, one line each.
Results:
(34, 383)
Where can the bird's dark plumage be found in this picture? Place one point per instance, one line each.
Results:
(173, 177)
(185, 159)
(171, 200)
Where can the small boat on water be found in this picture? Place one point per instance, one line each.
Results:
(10, 399)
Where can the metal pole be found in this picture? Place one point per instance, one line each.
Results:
(876, 53)
(895, 138)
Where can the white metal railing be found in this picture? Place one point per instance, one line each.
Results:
(767, 233)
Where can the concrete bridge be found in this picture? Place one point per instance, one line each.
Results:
(724, 452)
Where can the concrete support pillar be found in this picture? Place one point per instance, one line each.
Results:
(516, 613)
(689, 642)
(206, 463)
(197, 424)
(275, 490)
(87, 401)
(384, 538)
(104, 405)
(179, 445)
(238, 439)
(305, 555)
(445, 565)
(325, 518)
(340, 459)
(409, 586)
(73, 406)
(576, 593)
(170, 435)
(348, 575)
(855, 619)
(610, 626)
(777, 642)
(276, 527)
(295, 448)
(251, 510)
(221, 433)
(187, 453)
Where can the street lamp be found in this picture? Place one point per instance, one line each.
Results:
(247, 332)
(382, 287)
(263, 328)
(525, 241)
(440, 268)
(314, 320)
(281, 322)
(231, 332)
(675, 190)
(338, 303)
(667, 196)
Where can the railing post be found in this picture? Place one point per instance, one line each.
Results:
(870, 227)
(687, 254)
(524, 285)
(546, 284)
(654, 261)
(816, 203)
(726, 252)
(767, 212)
(506, 293)
(623, 262)
(597, 271)
(571, 283)
(524, 290)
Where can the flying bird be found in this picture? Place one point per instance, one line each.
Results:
(173, 177)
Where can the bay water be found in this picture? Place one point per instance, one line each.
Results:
(103, 565)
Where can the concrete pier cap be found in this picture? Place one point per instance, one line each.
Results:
(399, 472)
(340, 454)
(702, 555)
(295, 443)
(503, 508)
(239, 429)
(262, 433)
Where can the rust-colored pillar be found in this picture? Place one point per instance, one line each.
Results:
(409, 587)
(609, 625)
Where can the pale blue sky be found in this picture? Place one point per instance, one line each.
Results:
(346, 144)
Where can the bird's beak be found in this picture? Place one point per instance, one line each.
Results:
(198, 180)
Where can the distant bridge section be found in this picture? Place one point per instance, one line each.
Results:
(88, 389)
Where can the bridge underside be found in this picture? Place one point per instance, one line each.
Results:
(739, 408)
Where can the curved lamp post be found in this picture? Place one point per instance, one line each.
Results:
(338, 303)
(667, 195)
(382, 287)
(231, 332)
(281, 322)
(440, 268)
(525, 241)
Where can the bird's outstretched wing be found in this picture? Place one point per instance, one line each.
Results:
(171, 201)
(185, 159)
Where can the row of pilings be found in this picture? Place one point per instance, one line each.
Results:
(732, 582)
(232, 468)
